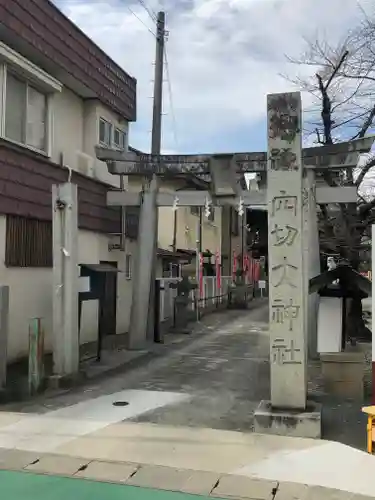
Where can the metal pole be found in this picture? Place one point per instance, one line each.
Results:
(242, 239)
(174, 241)
(4, 331)
(36, 355)
(200, 228)
(123, 218)
(197, 274)
(230, 265)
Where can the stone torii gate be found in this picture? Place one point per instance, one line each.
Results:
(224, 192)
(291, 198)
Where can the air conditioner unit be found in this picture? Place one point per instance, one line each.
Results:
(85, 164)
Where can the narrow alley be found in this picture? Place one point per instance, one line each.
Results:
(222, 370)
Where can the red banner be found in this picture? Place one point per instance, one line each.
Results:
(246, 264)
(253, 270)
(257, 271)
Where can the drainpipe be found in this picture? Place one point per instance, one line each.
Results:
(123, 218)
(242, 240)
(230, 210)
(200, 228)
(174, 241)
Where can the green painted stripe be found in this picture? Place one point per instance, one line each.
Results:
(27, 486)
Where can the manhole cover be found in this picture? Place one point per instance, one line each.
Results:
(120, 403)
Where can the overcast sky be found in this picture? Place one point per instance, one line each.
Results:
(224, 57)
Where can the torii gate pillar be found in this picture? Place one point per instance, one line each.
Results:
(140, 330)
(311, 261)
(288, 412)
(65, 281)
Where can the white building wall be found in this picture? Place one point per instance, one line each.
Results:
(93, 111)
(67, 127)
(31, 293)
(187, 223)
(75, 133)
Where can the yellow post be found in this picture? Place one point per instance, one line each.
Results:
(369, 434)
(370, 411)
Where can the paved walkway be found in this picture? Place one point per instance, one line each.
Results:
(95, 480)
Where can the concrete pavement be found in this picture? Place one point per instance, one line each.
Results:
(179, 413)
(204, 462)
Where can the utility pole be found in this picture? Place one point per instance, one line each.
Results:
(141, 324)
(155, 150)
(158, 85)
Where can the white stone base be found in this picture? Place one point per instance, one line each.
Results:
(288, 422)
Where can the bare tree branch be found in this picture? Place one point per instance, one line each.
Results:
(341, 85)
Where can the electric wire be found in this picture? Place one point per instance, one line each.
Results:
(170, 93)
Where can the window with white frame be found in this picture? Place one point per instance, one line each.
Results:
(119, 138)
(105, 132)
(25, 113)
(128, 266)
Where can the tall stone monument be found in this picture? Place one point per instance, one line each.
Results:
(285, 222)
(286, 412)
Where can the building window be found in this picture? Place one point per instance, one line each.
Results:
(25, 114)
(171, 269)
(128, 266)
(119, 139)
(105, 132)
(166, 269)
(28, 242)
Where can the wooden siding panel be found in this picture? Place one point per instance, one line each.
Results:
(26, 181)
(28, 242)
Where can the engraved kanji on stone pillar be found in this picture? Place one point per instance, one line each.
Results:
(285, 222)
